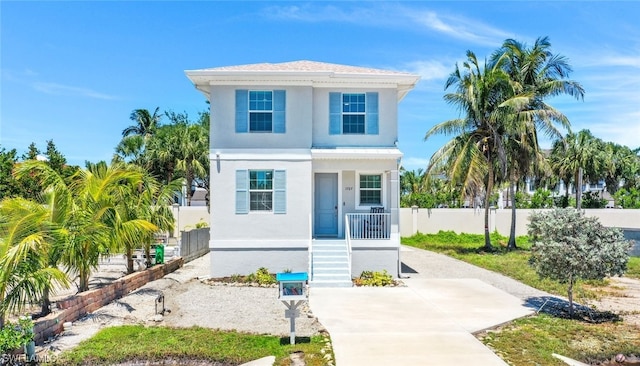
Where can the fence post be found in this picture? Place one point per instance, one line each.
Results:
(414, 220)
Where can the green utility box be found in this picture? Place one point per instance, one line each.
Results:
(159, 253)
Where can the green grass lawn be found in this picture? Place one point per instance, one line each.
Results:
(533, 340)
(633, 268)
(135, 342)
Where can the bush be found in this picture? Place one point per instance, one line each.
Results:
(541, 199)
(593, 200)
(14, 336)
(627, 198)
(568, 246)
(369, 278)
(262, 277)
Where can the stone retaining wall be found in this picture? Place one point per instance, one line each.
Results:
(77, 306)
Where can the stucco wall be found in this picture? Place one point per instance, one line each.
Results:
(298, 116)
(256, 228)
(472, 221)
(387, 114)
(226, 263)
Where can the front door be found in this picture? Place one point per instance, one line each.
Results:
(326, 204)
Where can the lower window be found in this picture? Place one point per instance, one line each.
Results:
(370, 190)
(260, 190)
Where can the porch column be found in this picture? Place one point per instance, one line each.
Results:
(395, 201)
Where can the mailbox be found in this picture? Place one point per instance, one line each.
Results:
(293, 286)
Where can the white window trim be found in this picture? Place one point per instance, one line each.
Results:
(249, 191)
(383, 197)
(343, 113)
(249, 110)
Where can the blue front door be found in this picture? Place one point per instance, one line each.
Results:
(326, 204)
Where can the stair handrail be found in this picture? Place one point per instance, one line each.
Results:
(347, 235)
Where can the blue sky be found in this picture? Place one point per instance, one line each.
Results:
(73, 71)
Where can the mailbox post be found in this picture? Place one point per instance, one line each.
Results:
(293, 292)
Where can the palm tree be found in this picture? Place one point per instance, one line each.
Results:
(537, 72)
(620, 164)
(154, 204)
(26, 235)
(484, 96)
(575, 154)
(146, 123)
(90, 223)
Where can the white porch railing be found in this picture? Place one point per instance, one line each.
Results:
(368, 226)
(348, 239)
(310, 248)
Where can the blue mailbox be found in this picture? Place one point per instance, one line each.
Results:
(293, 286)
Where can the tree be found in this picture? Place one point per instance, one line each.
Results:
(26, 243)
(9, 187)
(620, 165)
(578, 152)
(537, 72)
(569, 246)
(484, 96)
(146, 123)
(89, 212)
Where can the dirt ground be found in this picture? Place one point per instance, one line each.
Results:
(621, 297)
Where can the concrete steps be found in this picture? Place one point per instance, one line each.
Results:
(330, 264)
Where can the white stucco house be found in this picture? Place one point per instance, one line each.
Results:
(304, 168)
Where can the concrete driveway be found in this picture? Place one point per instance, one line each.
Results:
(429, 322)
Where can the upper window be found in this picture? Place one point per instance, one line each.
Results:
(370, 190)
(353, 113)
(260, 190)
(260, 111)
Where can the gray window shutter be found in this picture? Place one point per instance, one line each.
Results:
(242, 192)
(242, 110)
(280, 192)
(335, 113)
(372, 113)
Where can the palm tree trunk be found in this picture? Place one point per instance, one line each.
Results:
(147, 251)
(487, 199)
(511, 245)
(46, 302)
(84, 280)
(129, 260)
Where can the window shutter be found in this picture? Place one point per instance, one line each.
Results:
(279, 192)
(242, 110)
(242, 192)
(372, 113)
(335, 113)
(279, 108)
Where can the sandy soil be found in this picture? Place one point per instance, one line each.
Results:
(190, 299)
(622, 297)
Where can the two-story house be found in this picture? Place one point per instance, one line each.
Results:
(304, 168)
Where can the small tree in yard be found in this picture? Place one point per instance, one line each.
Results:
(568, 246)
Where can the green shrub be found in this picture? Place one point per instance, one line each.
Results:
(569, 246)
(369, 278)
(14, 336)
(541, 199)
(263, 277)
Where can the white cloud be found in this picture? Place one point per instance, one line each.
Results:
(394, 15)
(430, 69)
(460, 27)
(68, 90)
